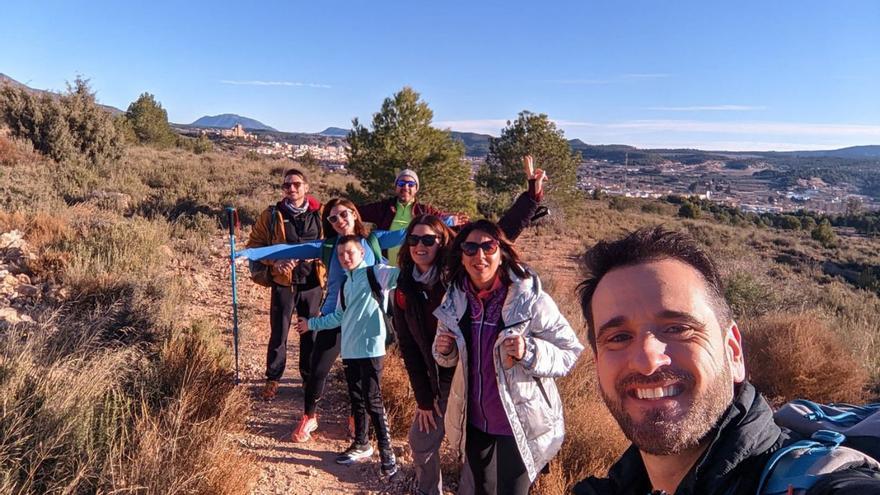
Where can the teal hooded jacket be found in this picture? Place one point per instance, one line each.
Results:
(363, 328)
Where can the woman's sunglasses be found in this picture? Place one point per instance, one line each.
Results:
(488, 247)
(427, 240)
(344, 214)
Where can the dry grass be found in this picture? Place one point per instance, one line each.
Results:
(109, 392)
(400, 403)
(797, 355)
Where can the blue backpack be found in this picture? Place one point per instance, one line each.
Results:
(837, 437)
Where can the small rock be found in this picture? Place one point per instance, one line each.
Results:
(11, 316)
(28, 290)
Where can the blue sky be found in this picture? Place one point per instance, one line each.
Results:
(747, 75)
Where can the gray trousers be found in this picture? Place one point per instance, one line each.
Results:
(425, 447)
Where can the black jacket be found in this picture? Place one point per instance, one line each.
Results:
(745, 439)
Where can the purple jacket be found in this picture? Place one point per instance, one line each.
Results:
(485, 410)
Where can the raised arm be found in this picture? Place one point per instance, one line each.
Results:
(517, 217)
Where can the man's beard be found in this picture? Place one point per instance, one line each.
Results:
(665, 432)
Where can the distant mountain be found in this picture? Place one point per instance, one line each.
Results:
(474, 144)
(334, 132)
(228, 120)
(869, 151)
(4, 80)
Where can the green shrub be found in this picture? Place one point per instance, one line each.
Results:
(66, 126)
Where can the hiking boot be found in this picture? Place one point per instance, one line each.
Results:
(303, 432)
(389, 463)
(270, 390)
(355, 453)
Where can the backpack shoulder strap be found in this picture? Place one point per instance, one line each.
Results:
(327, 250)
(273, 217)
(375, 288)
(373, 242)
(342, 294)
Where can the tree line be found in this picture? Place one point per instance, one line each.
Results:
(71, 126)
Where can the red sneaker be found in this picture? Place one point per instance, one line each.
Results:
(303, 432)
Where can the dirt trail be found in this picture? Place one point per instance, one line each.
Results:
(288, 467)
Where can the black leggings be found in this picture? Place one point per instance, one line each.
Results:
(496, 464)
(364, 377)
(324, 351)
(285, 301)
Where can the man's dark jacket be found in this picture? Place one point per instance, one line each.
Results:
(381, 213)
(745, 439)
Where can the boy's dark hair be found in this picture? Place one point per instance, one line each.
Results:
(644, 246)
(345, 239)
(296, 171)
(510, 260)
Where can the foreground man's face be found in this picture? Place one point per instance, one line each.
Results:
(666, 367)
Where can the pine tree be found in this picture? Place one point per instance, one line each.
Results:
(535, 134)
(149, 121)
(402, 137)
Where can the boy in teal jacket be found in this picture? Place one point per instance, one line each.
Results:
(359, 314)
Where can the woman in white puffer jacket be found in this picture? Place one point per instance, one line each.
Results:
(509, 341)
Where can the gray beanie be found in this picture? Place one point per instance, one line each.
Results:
(407, 173)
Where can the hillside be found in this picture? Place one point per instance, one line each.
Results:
(334, 132)
(228, 120)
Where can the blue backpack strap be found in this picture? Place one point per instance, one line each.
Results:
(817, 413)
(821, 443)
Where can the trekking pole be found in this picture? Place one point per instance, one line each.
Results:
(232, 221)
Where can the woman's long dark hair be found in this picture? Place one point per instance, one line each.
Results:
(329, 232)
(510, 261)
(405, 281)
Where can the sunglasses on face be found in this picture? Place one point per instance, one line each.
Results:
(343, 215)
(427, 240)
(295, 185)
(409, 183)
(488, 247)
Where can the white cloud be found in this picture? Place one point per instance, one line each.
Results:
(709, 108)
(276, 83)
(760, 128)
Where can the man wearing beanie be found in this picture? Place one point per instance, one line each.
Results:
(397, 211)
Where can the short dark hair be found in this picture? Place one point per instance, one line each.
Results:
(295, 171)
(644, 246)
(345, 239)
(510, 260)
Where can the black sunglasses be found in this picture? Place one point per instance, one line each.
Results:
(488, 247)
(295, 185)
(344, 214)
(427, 240)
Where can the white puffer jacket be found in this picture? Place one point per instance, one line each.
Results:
(529, 395)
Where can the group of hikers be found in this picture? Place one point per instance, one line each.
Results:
(482, 344)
